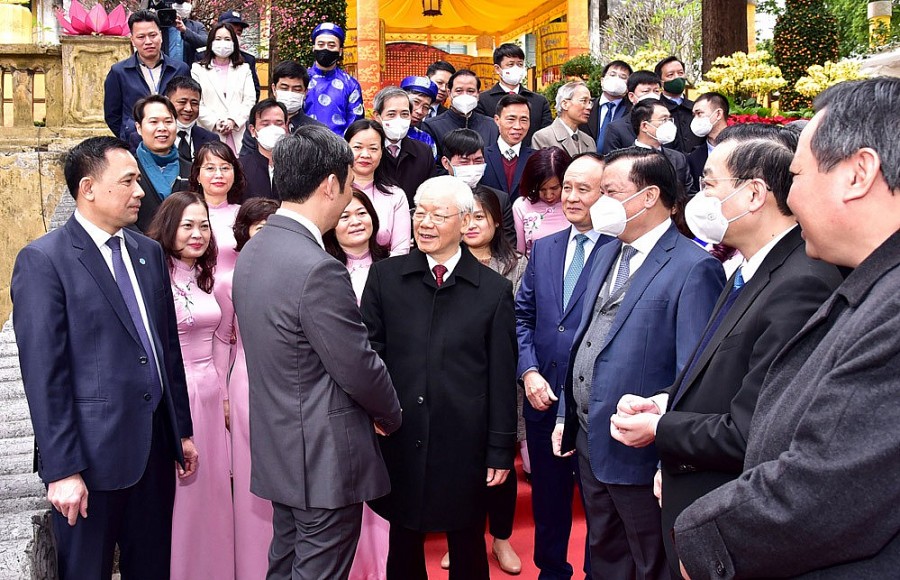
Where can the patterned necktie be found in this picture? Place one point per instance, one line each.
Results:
(184, 148)
(394, 150)
(123, 281)
(624, 270)
(574, 271)
(604, 124)
(716, 323)
(439, 271)
(510, 154)
(575, 136)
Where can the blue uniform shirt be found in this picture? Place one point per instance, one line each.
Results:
(333, 98)
(420, 135)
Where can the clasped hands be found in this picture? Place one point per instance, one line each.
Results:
(634, 423)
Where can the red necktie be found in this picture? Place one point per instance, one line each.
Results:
(439, 272)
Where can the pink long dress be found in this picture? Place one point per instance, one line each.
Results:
(535, 221)
(394, 221)
(252, 515)
(370, 561)
(202, 535)
(221, 218)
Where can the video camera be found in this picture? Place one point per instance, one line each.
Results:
(164, 9)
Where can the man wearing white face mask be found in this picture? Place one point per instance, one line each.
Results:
(268, 124)
(651, 294)
(464, 158)
(406, 161)
(654, 128)
(289, 82)
(509, 66)
(641, 85)
(612, 104)
(701, 422)
(187, 36)
(463, 86)
(710, 118)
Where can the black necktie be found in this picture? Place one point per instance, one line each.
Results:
(184, 148)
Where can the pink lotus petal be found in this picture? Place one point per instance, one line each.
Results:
(65, 24)
(97, 18)
(78, 16)
(117, 21)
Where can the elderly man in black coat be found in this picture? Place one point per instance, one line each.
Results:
(445, 326)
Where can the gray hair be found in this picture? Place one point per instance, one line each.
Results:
(462, 193)
(566, 92)
(388, 93)
(857, 114)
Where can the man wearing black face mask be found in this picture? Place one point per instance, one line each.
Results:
(671, 71)
(333, 97)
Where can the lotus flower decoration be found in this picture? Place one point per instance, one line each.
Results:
(96, 21)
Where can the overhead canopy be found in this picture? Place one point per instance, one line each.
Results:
(475, 17)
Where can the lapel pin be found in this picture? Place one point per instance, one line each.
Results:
(142, 261)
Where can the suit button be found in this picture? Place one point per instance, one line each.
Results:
(553, 364)
(418, 443)
(589, 344)
(581, 379)
(561, 328)
(143, 360)
(147, 396)
(420, 400)
(720, 568)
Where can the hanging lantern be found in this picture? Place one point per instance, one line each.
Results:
(431, 7)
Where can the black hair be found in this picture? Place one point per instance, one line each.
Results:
(619, 64)
(182, 82)
(209, 55)
(643, 111)
(440, 65)
(319, 152)
(500, 246)
(509, 50)
(263, 106)
(664, 62)
(763, 159)
(383, 180)
(649, 167)
(463, 72)
(143, 16)
(642, 77)
(88, 159)
(137, 113)
(717, 100)
(510, 100)
(747, 131)
(461, 142)
(291, 70)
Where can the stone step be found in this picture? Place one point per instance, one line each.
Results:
(11, 428)
(8, 349)
(21, 485)
(14, 463)
(11, 386)
(13, 559)
(18, 525)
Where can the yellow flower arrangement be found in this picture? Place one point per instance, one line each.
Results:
(743, 74)
(644, 59)
(818, 77)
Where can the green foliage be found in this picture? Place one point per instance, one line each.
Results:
(294, 20)
(805, 34)
(853, 25)
(580, 66)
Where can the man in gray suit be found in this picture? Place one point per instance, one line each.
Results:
(818, 496)
(316, 386)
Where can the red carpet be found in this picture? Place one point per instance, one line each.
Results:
(522, 540)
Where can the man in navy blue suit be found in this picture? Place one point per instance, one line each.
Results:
(101, 363)
(548, 310)
(146, 72)
(185, 93)
(506, 157)
(651, 294)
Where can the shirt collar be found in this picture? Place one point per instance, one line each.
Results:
(592, 234)
(646, 242)
(516, 90)
(389, 142)
(96, 233)
(450, 263)
(303, 221)
(603, 100)
(709, 147)
(566, 126)
(504, 146)
(749, 267)
(644, 145)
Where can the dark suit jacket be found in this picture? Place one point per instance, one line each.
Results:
(683, 114)
(592, 128)
(151, 201)
(537, 105)
(456, 387)
(702, 438)
(411, 167)
(509, 223)
(125, 85)
(658, 325)
(821, 461)
(544, 330)
(679, 162)
(619, 134)
(256, 173)
(316, 384)
(83, 365)
(495, 177)
(696, 162)
(439, 126)
(200, 137)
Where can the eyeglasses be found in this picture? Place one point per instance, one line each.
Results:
(585, 102)
(437, 219)
(223, 169)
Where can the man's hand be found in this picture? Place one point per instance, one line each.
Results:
(496, 476)
(684, 573)
(227, 405)
(538, 391)
(632, 405)
(179, 24)
(191, 458)
(556, 441)
(69, 497)
(634, 430)
(657, 486)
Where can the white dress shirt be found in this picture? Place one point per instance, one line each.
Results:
(504, 146)
(749, 267)
(643, 245)
(592, 235)
(450, 263)
(303, 221)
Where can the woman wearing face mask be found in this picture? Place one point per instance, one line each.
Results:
(252, 515)
(227, 83)
(354, 243)
(217, 175)
(202, 518)
(366, 139)
(538, 211)
(486, 242)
